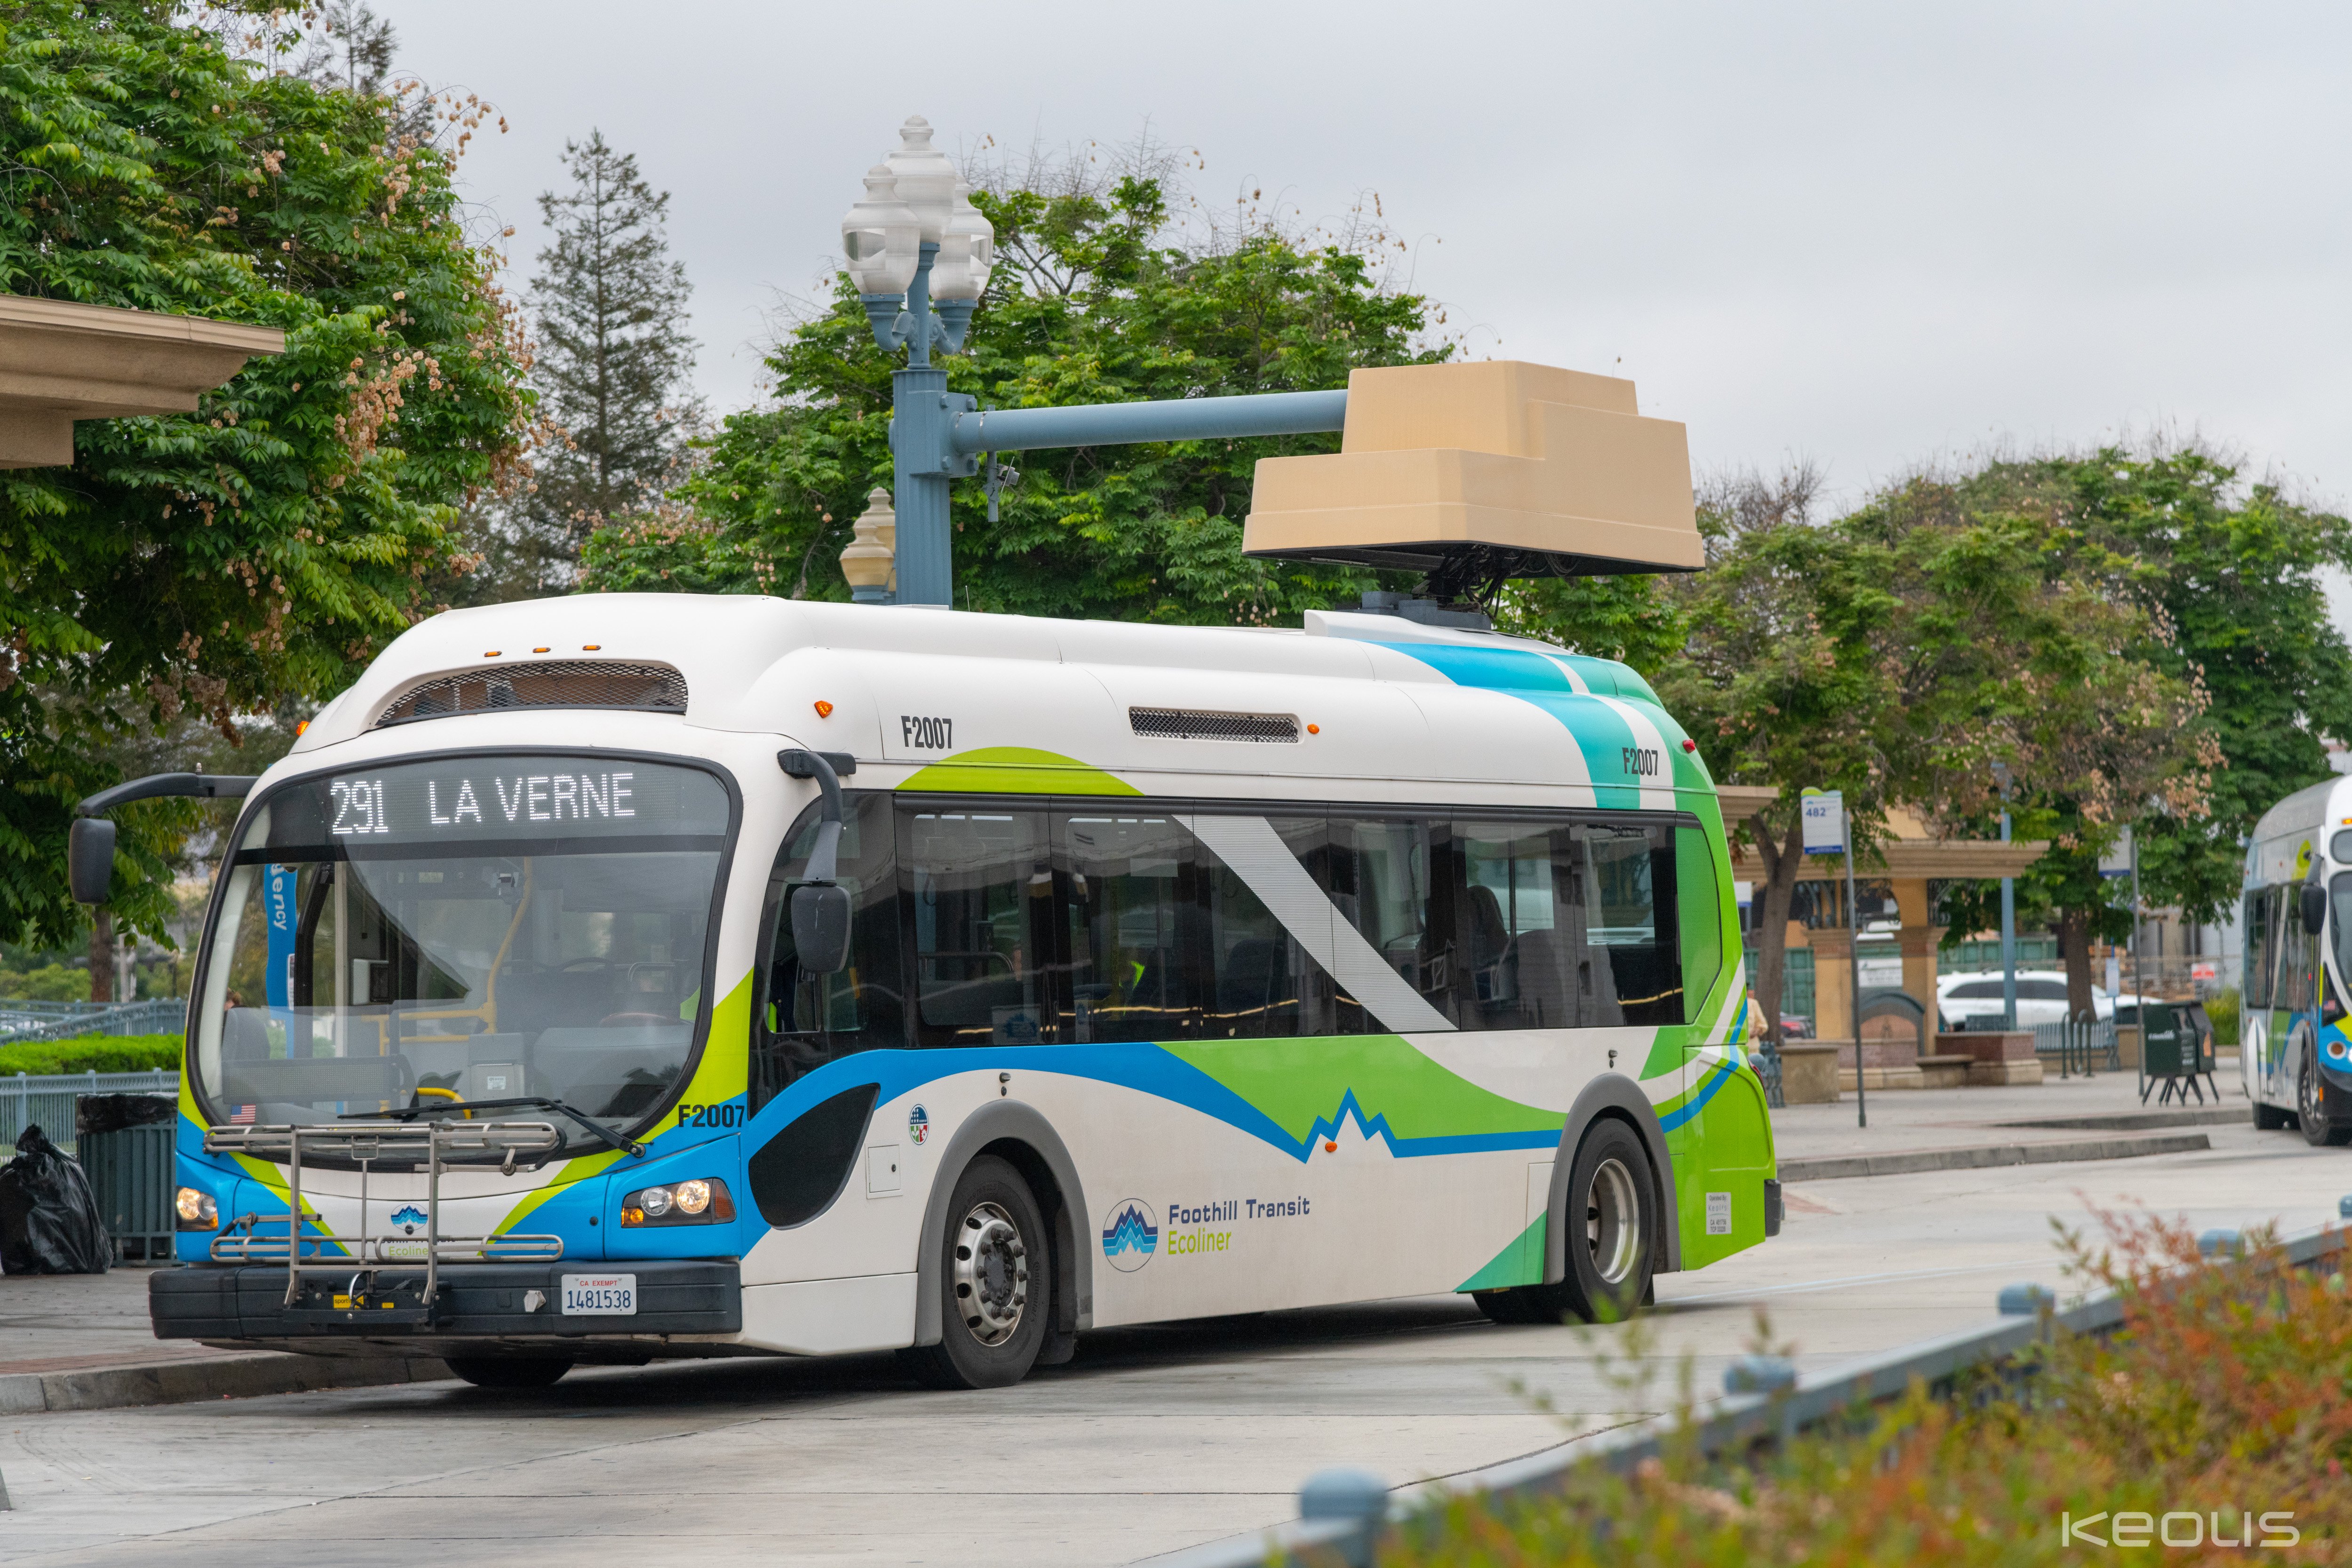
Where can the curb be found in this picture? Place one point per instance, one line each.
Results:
(1837, 1167)
(2238, 1115)
(224, 1377)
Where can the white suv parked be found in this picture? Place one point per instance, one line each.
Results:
(1973, 1001)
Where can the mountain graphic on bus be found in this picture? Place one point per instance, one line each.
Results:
(1131, 1237)
(409, 1218)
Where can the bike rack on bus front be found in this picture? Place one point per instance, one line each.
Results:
(367, 1142)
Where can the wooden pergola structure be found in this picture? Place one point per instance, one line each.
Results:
(60, 361)
(1909, 861)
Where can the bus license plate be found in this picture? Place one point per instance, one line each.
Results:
(600, 1295)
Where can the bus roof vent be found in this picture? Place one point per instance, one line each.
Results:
(1189, 724)
(557, 683)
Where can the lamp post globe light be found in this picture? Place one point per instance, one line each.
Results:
(915, 238)
(920, 255)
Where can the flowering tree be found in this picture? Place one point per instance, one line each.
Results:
(259, 548)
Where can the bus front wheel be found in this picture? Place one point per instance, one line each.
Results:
(995, 1280)
(2319, 1128)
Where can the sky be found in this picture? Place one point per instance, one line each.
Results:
(1866, 235)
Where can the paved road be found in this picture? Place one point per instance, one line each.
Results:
(1153, 1439)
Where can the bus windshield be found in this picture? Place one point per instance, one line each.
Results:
(464, 929)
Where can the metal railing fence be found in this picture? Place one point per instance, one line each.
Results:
(29, 1023)
(1344, 1512)
(48, 1101)
(2080, 1048)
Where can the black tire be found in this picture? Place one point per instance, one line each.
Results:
(511, 1372)
(2320, 1130)
(995, 1283)
(1613, 1223)
(2270, 1118)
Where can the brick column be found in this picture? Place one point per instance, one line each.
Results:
(1832, 985)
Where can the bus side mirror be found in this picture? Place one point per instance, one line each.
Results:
(2314, 909)
(89, 859)
(820, 928)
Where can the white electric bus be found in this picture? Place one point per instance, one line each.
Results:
(618, 977)
(2292, 1051)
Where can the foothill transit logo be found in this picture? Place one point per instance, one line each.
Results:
(2179, 1530)
(1132, 1236)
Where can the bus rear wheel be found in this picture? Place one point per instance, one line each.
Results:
(2319, 1130)
(511, 1372)
(996, 1284)
(1613, 1223)
(1612, 1226)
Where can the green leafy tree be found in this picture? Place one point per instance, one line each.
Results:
(224, 562)
(2229, 582)
(613, 371)
(1096, 299)
(2029, 647)
(1778, 676)
(2234, 578)
(1893, 653)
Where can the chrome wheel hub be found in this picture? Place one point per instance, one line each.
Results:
(991, 1274)
(1613, 1221)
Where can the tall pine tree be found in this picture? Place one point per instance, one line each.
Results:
(613, 371)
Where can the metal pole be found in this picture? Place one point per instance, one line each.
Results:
(2139, 1006)
(2008, 931)
(918, 444)
(1853, 957)
(1166, 420)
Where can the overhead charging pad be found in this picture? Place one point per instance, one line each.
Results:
(1471, 474)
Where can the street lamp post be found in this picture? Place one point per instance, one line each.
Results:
(2008, 915)
(920, 255)
(914, 241)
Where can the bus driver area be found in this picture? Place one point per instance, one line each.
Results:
(736, 976)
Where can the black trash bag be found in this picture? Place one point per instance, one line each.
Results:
(49, 1222)
(113, 1112)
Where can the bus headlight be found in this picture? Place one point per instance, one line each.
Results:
(197, 1209)
(702, 1201)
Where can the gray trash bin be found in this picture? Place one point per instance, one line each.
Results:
(124, 1143)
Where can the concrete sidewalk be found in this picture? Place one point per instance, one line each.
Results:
(2098, 1118)
(82, 1342)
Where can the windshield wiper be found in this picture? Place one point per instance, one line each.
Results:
(610, 1139)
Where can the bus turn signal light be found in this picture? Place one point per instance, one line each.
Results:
(698, 1201)
(823, 709)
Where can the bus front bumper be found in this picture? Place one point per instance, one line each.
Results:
(506, 1301)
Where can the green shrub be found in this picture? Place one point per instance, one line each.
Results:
(2228, 1395)
(98, 1053)
(49, 983)
(2221, 1009)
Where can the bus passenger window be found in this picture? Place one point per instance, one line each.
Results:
(1380, 883)
(1265, 983)
(1629, 970)
(807, 1020)
(1137, 933)
(1698, 898)
(2339, 922)
(1507, 928)
(982, 887)
(2260, 949)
